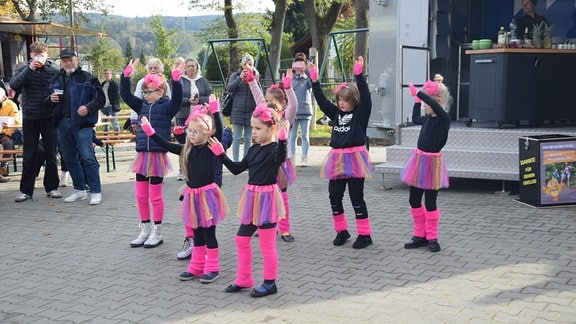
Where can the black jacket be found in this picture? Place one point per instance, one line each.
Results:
(34, 88)
(113, 93)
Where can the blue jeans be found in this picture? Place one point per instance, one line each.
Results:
(76, 145)
(304, 128)
(109, 111)
(240, 129)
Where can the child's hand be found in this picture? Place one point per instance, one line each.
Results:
(215, 146)
(284, 129)
(358, 65)
(146, 127)
(287, 80)
(414, 92)
(130, 68)
(212, 97)
(214, 106)
(176, 74)
(313, 72)
(179, 130)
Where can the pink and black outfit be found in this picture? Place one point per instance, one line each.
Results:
(348, 162)
(425, 171)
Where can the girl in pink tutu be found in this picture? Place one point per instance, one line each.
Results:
(151, 164)
(283, 95)
(425, 171)
(348, 162)
(260, 205)
(203, 204)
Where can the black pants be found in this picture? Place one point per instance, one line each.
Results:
(336, 190)
(31, 131)
(430, 197)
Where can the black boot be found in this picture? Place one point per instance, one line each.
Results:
(362, 241)
(341, 238)
(433, 246)
(416, 242)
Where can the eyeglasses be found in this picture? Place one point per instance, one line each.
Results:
(153, 68)
(194, 132)
(148, 92)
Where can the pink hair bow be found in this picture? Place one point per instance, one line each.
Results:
(340, 87)
(198, 112)
(431, 88)
(264, 113)
(154, 80)
(277, 87)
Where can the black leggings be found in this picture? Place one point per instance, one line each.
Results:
(336, 190)
(429, 198)
(249, 229)
(206, 236)
(152, 180)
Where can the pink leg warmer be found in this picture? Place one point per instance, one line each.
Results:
(419, 221)
(142, 200)
(157, 200)
(212, 261)
(284, 224)
(189, 231)
(340, 223)
(198, 260)
(269, 253)
(244, 271)
(432, 220)
(363, 226)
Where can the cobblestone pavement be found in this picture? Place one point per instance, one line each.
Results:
(501, 261)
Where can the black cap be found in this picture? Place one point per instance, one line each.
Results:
(67, 52)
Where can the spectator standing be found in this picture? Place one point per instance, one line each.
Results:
(112, 105)
(7, 109)
(242, 106)
(32, 81)
(75, 113)
(303, 88)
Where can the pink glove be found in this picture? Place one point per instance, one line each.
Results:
(414, 92)
(128, 70)
(214, 107)
(287, 82)
(250, 76)
(147, 128)
(358, 67)
(314, 74)
(217, 149)
(179, 130)
(282, 134)
(176, 74)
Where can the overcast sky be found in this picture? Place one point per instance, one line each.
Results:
(146, 8)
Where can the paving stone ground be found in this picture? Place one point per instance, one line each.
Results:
(501, 261)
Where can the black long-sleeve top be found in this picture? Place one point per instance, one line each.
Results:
(262, 163)
(434, 131)
(349, 127)
(202, 164)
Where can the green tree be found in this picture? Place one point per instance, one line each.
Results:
(129, 51)
(101, 56)
(32, 10)
(165, 46)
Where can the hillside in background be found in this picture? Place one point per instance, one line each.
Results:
(137, 30)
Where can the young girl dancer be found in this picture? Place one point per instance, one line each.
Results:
(284, 97)
(348, 162)
(260, 205)
(151, 163)
(203, 206)
(425, 171)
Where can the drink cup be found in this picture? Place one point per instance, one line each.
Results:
(59, 93)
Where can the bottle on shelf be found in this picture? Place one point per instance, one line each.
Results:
(513, 27)
(502, 37)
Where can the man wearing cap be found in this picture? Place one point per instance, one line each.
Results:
(32, 81)
(75, 113)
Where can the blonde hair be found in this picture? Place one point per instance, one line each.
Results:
(202, 121)
(443, 96)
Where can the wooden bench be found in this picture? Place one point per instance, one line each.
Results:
(14, 154)
(110, 139)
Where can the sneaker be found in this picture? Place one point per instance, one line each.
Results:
(416, 242)
(362, 241)
(145, 229)
(186, 252)
(76, 195)
(341, 238)
(4, 179)
(54, 194)
(185, 276)
(155, 237)
(22, 197)
(264, 290)
(287, 237)
(180, 176)
(433, 246)
(304, 161)
(95, 198)
(209, 277)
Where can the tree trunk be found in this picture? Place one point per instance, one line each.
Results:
(277, 29)
(232, 33)
(362, 8)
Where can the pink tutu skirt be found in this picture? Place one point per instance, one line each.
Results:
(425, 171)
(204, 206)
(286, 174)
(261, 205)
(345, 163)
(151, 164)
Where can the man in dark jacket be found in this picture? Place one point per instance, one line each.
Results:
(112, 105)
(75, 112)
(32, 81)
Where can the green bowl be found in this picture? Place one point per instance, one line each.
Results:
(476, 44)
(485, 44)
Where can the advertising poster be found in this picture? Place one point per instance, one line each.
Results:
(558, 184)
